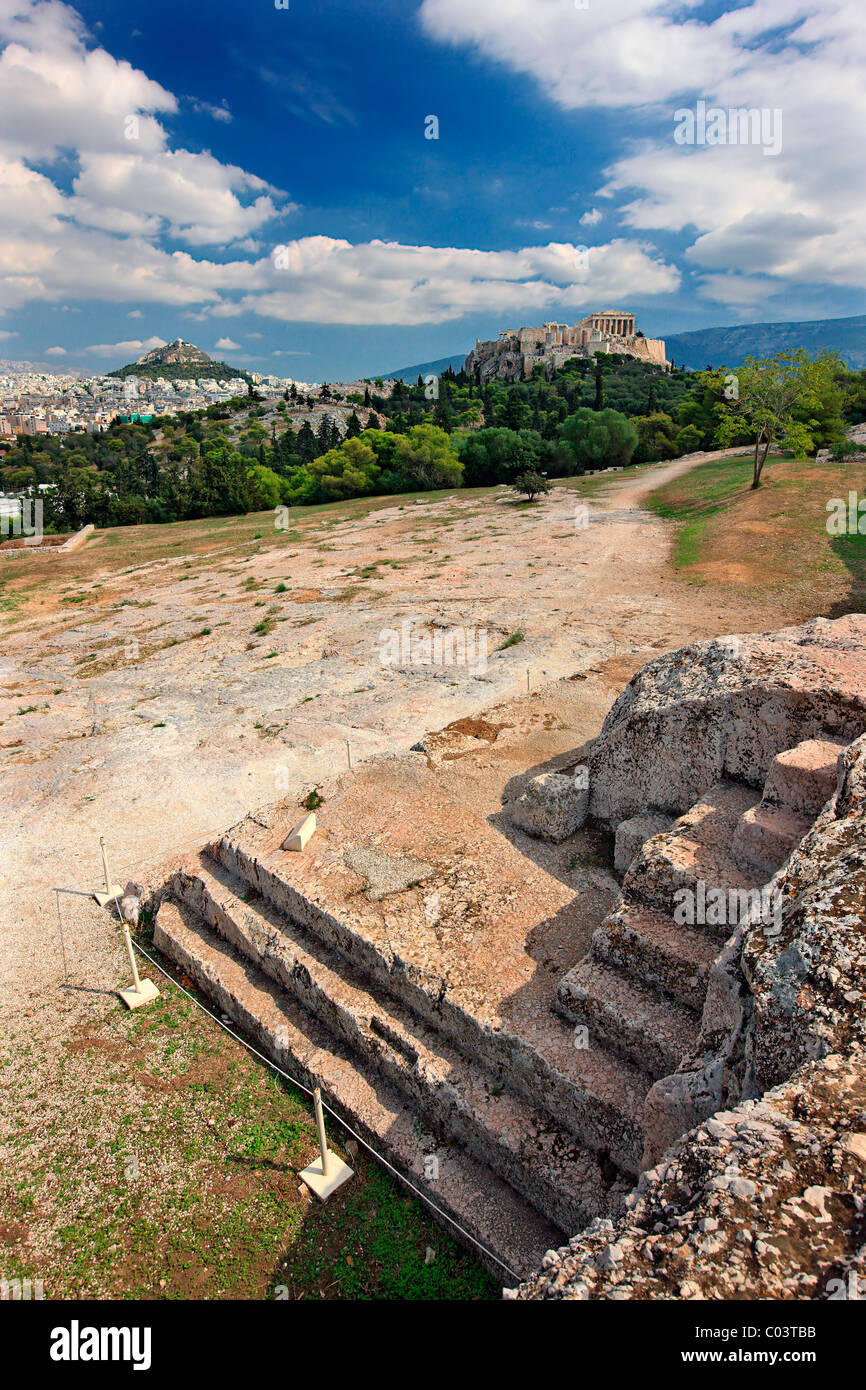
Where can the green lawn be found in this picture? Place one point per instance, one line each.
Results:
(698, 496)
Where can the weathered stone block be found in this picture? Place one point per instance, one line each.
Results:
(301, 833)
(723, 710)
(553, 806)
(632, 834)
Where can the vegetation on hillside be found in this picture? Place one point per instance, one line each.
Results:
(246, 456)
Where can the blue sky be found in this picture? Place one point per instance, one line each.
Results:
(259, 178)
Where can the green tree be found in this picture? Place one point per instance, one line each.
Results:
(530, 485)
(656, 435)
(428, 459)
(267, 488)
(351, 470)
(495, 456)
(599, 439)
(786, 402)
(599, 387)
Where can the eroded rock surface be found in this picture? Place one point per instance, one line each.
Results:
(755, 1154)
(763, 1201)
(724, 709)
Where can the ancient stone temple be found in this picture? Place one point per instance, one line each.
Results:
(515, 352)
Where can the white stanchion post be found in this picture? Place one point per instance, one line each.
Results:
(320, 1126)
(112, 890)
(330, 1172)
(142, 991)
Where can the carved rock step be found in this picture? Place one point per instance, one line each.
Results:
(595, 1095)
(765, 836)
(650, 946)
(524, 1145)
(466, 1191)
(636, 1020)
(694, 855)
(804, 777)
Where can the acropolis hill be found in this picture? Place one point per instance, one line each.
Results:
(515, 352)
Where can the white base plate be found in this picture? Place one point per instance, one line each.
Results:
(104, 898)
(134, 998)
(338, 1173)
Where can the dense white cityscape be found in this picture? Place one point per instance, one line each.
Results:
(33, 402)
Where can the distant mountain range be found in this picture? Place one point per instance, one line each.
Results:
(411, 374)
(14, 367)
(178, 361)
(727, 347)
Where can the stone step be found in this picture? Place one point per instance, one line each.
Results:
(634, 1019)
(688, 871)
(594, 1095)
(649, 945)
(462, 1190)
(765, 837)
(804, 777)
(523, 1145)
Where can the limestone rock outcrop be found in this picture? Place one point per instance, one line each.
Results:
(755, 1147)
(763, 1201)
(724, 709)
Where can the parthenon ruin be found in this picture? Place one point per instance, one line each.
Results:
(513, 354)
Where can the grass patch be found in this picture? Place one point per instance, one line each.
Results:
(171, 1171)
(772, 538)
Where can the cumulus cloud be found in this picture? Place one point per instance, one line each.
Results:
(193, 196)
(326, 280)
(132, 345)
(62, 99)
(804, 58)
(226, 345)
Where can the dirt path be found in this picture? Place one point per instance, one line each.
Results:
(172, 700)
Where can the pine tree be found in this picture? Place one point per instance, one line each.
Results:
(306, 443)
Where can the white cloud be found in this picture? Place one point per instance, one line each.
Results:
(193, 196)
(591, 218)
(379, 282)
(217, 113)
(132, 345)
(804, 58)
(226, 345)
(61, 98)
(55, 352)
(619, 53)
